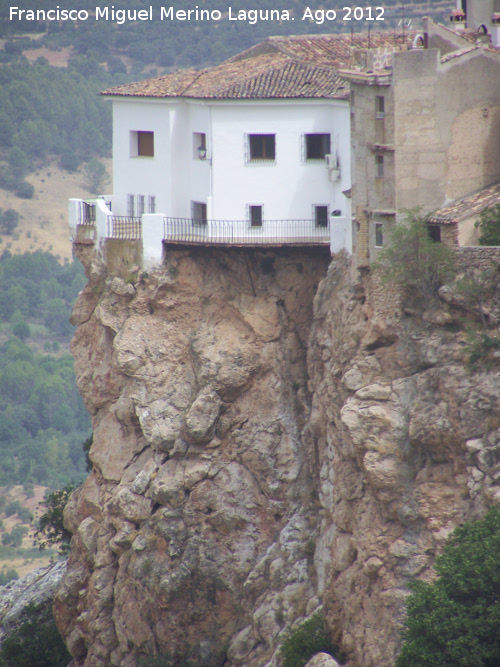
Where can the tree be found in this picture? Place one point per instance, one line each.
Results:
(455, 621)
(36, 643)
(69, 161)
(19, 327)
(413, 260)
(25, 190)
(96, 176)
(16, 536)
(7, 130)
(18, 163)
(310, 637)
(489, 226)
(9, 220)
(51, 530)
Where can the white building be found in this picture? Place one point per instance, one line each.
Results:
(254, 151)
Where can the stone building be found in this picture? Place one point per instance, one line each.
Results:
(425, 129)
(255, 151)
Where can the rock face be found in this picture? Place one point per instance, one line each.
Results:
(194, 535)
(36, 588)
(268, 435)
(408, 441)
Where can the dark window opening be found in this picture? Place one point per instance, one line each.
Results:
(256, 216)
(379, 235)
(379, 166)
(146, 144)
(262, 146)
(199, 213)
(379, 107)
(317, 146)
(131, 206)
(321, 216)
(434, 232)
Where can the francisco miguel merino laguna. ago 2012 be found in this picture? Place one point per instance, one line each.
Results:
(252, 16)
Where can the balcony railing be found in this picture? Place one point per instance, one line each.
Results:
(86, 214)
(124, 227)
(241, 232)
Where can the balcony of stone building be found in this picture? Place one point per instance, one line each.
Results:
(189, 231)
(93, 222)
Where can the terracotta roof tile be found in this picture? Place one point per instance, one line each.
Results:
(335, 51)
(279, 67)
(467, 206)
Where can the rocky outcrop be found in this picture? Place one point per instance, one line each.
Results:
(194, 536)
(408, 441)
(269, 435)
(36, 589)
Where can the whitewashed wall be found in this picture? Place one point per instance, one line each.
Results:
(287, 188)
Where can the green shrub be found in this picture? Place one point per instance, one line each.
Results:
(489, 226)
(306, 640)
(25, 190)
(413, 260)
(479, 346)
(13, 508)
(8, 575)
(51, 530)
(37, 643)
(455, 621)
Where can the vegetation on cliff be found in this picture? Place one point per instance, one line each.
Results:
(489, 226)
(307, 639)
(36, 643)
(455, 621)
(413, 260)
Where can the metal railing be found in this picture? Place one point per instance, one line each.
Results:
(241, 232)
(124, 227)
(87, 213)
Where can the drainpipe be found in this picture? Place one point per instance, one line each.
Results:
(210, 174)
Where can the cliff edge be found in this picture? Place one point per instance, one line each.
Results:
(269, 436)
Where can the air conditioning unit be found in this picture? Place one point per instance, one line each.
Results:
(333, 167)
(331, 161)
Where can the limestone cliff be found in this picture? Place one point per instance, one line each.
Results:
(195, 533)
(268, 435)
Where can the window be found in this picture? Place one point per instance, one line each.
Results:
(379, 166)
(199, 213)
(141, 205)
(255, 215)
(199, 146)
(142, 144)
(434, 232)
(379, 235)
(379, 107)
(130, 206)
(151, 204)
(321, 216)
(317, 146)
(262, 146)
